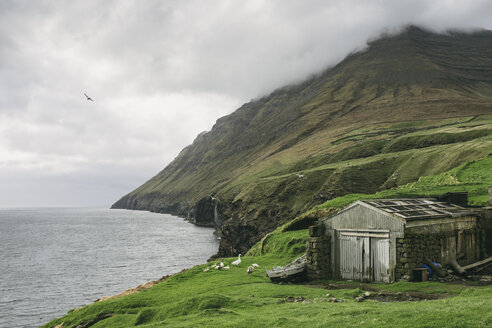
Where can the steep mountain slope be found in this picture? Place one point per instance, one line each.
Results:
(409, 105)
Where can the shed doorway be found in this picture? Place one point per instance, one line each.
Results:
(364, 256)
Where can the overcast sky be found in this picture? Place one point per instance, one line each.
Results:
(160, 72)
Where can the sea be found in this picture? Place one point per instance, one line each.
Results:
(56, 259)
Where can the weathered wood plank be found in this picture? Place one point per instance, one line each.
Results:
(479, 263)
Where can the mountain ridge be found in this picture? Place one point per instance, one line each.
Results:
(240, 176)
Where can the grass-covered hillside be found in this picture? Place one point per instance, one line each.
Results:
(409, 105)
(231, 298)
(201, 297)
(474, 177)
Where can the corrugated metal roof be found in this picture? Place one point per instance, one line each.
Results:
(417, 208)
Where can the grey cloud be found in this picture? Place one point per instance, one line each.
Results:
(161, 72)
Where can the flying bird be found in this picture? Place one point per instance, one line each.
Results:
(88, 98)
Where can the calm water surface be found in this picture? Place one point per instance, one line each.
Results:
(56, 259)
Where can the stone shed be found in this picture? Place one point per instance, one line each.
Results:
(383, 240)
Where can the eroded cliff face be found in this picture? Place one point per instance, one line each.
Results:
(403, 108)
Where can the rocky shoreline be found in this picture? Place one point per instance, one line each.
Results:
(236, 236)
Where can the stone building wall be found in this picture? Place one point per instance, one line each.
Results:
(318, 251)
(464, 241)
(415, 249)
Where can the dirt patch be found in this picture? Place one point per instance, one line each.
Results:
(302, 299)
(354, 285)
(378, 294)
(385, 296)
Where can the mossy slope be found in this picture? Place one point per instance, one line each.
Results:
(414, 104)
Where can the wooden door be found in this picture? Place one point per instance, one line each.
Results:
(380, 259)
(355, 260)
(364, 256)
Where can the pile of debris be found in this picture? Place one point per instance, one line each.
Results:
(478, 271)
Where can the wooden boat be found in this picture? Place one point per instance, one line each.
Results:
(295, 271)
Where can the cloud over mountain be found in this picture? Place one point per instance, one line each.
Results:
(160, 72)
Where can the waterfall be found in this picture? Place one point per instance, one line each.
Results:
(216, 214)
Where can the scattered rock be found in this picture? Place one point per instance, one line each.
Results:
(359, 298)
(486, 278)
(299, 299)
(405, 278)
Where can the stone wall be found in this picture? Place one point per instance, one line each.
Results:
(415, 249)
(318, 255)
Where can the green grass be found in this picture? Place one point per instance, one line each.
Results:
(474, 177)
(281, 244)
(233, 299)
(427, 140)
